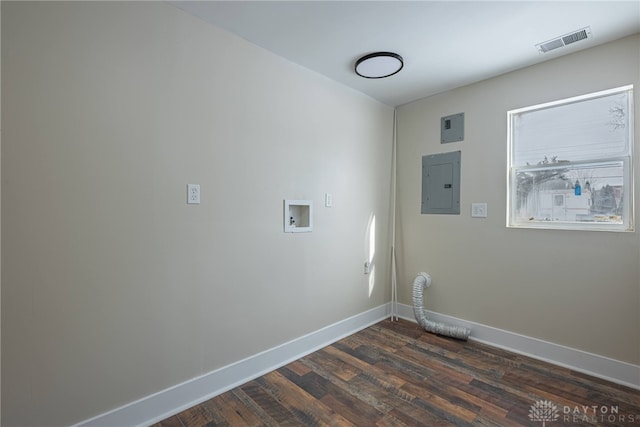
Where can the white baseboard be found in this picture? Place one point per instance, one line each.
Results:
(173, 400)
(592, 364)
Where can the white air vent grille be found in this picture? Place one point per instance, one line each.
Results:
(553, 44)
(572, 38)
(561, 41)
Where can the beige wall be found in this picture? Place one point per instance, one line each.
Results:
(574, 288)
(114, 288)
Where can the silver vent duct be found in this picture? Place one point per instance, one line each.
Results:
(421, 281)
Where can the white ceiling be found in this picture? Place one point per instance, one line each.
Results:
(445, 44)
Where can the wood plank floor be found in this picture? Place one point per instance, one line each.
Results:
(395, 374)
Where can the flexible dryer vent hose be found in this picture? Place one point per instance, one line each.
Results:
(421, 281)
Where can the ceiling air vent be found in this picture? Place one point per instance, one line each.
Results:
(561, 41)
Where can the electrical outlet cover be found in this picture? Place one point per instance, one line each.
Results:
(193, 194)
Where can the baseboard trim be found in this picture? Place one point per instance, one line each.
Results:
(173, 400)
(592, 364)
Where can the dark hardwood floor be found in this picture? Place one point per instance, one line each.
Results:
(395, 374)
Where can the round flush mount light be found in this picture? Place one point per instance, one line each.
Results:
(379, 65)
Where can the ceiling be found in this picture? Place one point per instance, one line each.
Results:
(445, 44)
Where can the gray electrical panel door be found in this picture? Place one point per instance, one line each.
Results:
(452, 128)
(441, 183)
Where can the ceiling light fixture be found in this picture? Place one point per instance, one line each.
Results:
(379, 65)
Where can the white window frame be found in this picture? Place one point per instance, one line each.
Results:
(626, 160)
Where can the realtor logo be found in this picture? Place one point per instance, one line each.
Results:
(543, 410)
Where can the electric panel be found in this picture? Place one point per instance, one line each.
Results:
(452, 128)
(441, 183)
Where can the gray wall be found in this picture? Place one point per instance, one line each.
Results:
(114, 288)
(574, 288)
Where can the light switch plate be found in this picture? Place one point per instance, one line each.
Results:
(478, 210)
(328, 200)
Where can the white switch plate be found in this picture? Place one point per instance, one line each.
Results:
(328, 200)
(478, 210)
(193, 194)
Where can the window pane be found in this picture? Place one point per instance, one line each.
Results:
(571, 165)
(562, 192)
(584, 130)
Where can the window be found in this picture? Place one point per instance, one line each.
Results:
(570, 163)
